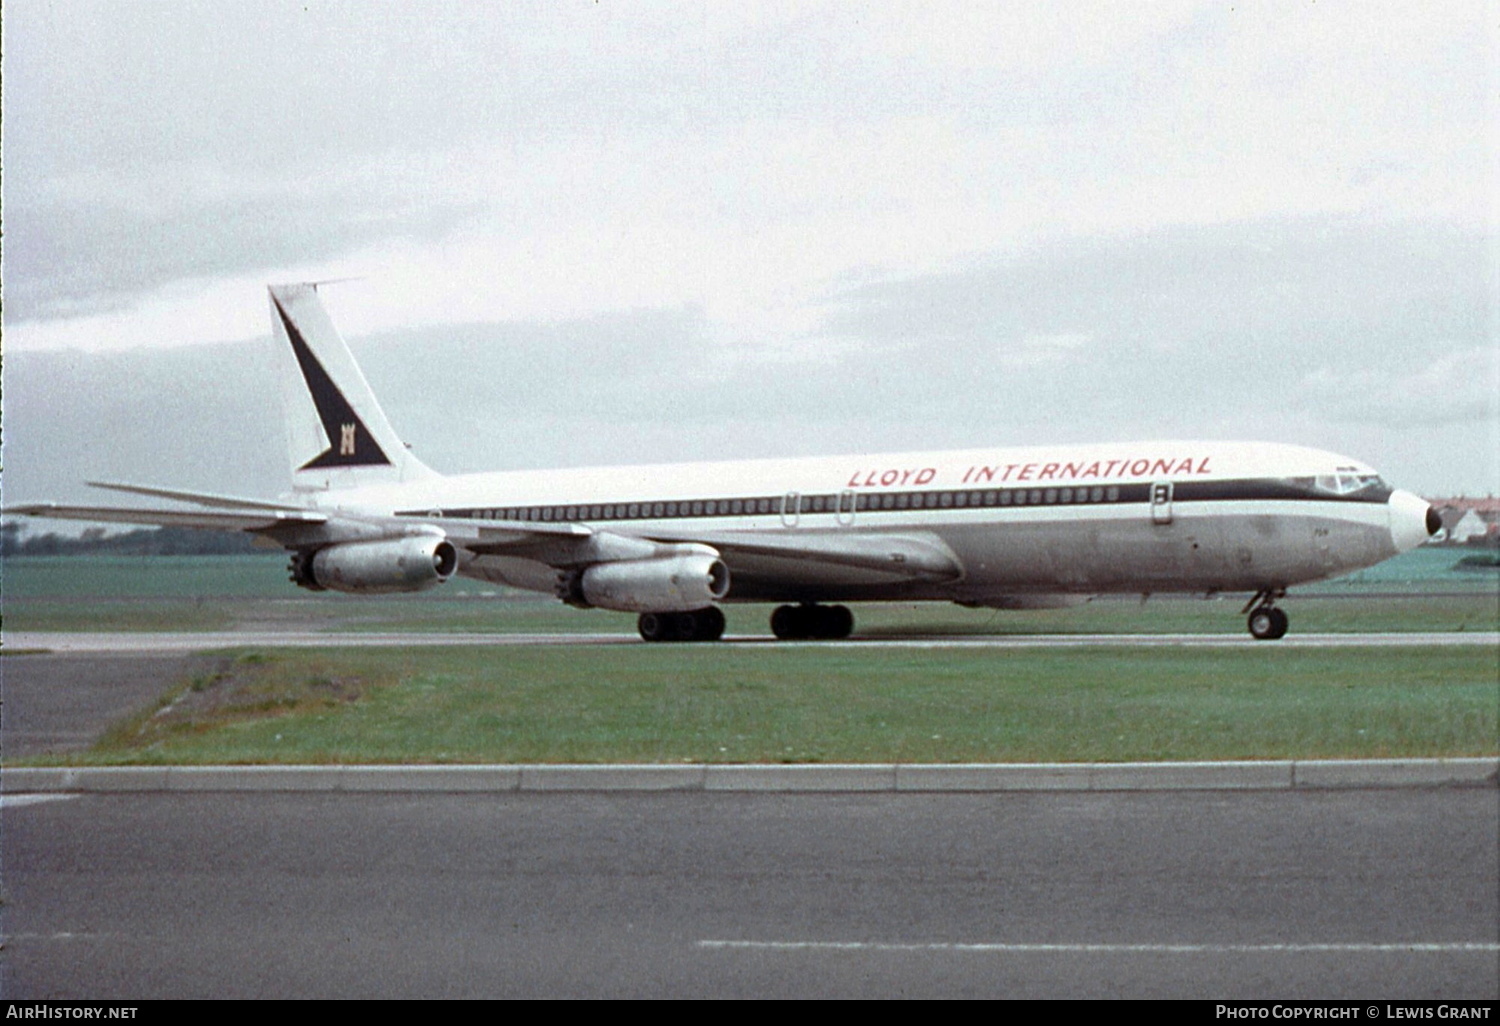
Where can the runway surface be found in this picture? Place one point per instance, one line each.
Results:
(155, 643)
(1356, 894)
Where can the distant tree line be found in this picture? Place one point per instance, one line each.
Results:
(147, 541)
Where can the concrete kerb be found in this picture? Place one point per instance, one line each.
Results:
(1332, 773)
(874, 778)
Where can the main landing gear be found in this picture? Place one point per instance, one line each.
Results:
(810, 621)
(695, 625)
(1267, 623)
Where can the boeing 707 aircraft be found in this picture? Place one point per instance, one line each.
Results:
(1006, 528)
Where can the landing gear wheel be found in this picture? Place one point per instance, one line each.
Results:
(1268, 623)
(655, 626)
(838, 622)
(707, 624)
(788, 623)
(698, 625)
(809, 621)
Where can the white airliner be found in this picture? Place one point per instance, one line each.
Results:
(1005, 528)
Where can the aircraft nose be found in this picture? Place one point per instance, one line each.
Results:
(1413, 520)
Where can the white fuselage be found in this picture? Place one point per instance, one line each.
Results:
(1165, 516)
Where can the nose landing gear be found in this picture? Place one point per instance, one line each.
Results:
(1267, 623)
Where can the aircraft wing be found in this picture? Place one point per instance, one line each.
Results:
(201, 498)
(866, 558)
(502, 537)
(855, 558)
(815, 556)
(247, 519)
(297, 525)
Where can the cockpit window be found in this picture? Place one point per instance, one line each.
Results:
(1346, 481)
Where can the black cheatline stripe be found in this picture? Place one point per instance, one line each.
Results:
(350, 443)
(910, 502)
(1270, 488)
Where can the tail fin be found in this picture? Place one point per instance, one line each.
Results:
(341, 439)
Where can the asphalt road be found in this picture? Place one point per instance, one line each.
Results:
(63, 703)
(1354, 894)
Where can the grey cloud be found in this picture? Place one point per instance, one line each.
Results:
(1328, 333)
(1452, 386)
(82, 256)
(1228, 317)
(197, 417)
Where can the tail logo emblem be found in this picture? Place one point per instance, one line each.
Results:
(356, 447)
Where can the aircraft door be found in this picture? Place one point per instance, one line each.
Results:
(1161, 502)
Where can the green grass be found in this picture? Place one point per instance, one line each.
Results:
(226, 592)
(780, 704)
(765, 705)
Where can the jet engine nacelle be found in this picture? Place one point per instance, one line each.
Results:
(377, 567)
(672, 584)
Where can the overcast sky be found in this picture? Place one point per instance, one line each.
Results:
(620, 232)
